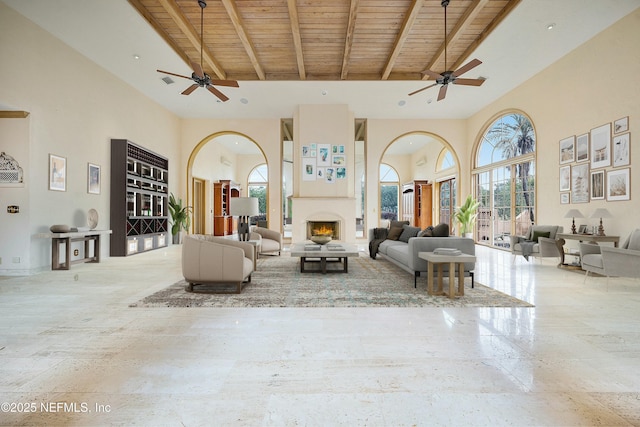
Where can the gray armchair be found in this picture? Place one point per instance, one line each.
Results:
(533, 245)
(208, 259)
(271, 241)
(615, 262)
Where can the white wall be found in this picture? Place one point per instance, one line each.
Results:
(76, 108)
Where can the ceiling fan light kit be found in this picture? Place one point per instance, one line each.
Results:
(450, 77)
(198, 76)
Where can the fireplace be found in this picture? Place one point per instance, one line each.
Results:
(325, 228)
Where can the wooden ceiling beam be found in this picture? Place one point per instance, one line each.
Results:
(348, 41)
(297, 39)
(409, 19)
(192, 35)
(13, 114)
(236, 20)
(462, 24)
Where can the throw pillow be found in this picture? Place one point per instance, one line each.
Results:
(407, 232)
(427, 232)
(441, 230)
(537, 234)
(394, 233)
(398, 224)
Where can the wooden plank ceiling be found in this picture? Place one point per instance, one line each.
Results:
(324, 39)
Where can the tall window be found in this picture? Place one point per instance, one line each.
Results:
(446, 188)
(389, 192)
(504, 179)
(258, 181)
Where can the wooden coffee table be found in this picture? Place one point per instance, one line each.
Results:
(456, 262)
(313, 253)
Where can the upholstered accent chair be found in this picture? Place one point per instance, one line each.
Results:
(209, 259)
(271, 241)
(539, 242)
(623, 261)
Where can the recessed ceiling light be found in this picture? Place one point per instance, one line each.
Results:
(402, 103)
(244, 100)
(324, 92)
(429, 101)
(136, 56)
(551, 26)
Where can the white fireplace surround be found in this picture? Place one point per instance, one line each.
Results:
(341, 209)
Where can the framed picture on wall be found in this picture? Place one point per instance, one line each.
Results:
(324, 155)
(564, 198)
(621, 125)
(57, 173)
(580, 183)
(568, 150)
(565, 178)
(582, 148)
(621, 147)
(93, 179)
(308, 169)
(597, 185)
(618, 185)
(601, 146)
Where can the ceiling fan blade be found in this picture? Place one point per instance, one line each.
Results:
(424, 88)
(190, 89)
(217, 93)
(443, 92)
(468, 66)
(174, 74)
(197, 69)
(230, 83)
(433, 75)
(468, 82)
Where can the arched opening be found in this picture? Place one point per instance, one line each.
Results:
(225, 157)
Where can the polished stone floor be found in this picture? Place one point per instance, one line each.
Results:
(73, 353)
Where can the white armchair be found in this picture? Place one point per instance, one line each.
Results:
(615, 262)
(271, 241)
(536, 243)
(208, 259)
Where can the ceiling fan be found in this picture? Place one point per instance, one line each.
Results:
(199, 77)
(448, 77)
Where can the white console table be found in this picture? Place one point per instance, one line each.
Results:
(59, 239)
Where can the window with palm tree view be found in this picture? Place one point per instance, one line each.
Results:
(504, 179)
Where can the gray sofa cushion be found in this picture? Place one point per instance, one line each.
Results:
(408, 232)
(441, 230)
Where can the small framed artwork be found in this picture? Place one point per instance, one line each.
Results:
(330, 175)
(565, 178)
(568, 150)
(618, 185)
(597, 185)
(580, 183)
(338, 160)
(93, 179)
(582, 148)
(308, 169)
(601, 146)
(621, 147)
(341, 173)
(621, 125)
(564, 198)
(324, 157)
(57, 173)
(582, 229)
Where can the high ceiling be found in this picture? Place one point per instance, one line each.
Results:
(368, 54)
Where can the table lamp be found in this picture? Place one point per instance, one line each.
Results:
(243, 208)
(601, 213)
(573, 213)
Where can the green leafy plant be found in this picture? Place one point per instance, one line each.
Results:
(180, 215)
(466, 214)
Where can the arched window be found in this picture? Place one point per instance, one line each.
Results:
(504, 179)
(445, 160)
(389, 192)
(257, 185)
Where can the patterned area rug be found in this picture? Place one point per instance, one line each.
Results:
(277, 282)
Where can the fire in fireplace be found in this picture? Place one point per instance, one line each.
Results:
(323, 228)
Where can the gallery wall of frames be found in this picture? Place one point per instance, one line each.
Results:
(596, 165)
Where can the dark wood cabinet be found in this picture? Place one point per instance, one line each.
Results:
(223, 191)
(139, 193)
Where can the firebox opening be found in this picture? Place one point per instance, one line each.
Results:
(325, 228)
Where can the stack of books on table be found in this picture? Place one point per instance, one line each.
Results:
(334, 247)
(311, 247)
(447, 251)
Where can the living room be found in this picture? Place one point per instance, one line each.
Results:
(77, 116)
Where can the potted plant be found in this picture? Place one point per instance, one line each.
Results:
(466, 216)
(180, 218)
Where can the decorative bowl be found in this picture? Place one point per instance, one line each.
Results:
(321, 239)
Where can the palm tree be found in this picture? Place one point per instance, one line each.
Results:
(514, 138)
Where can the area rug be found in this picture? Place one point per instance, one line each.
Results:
(277, 282)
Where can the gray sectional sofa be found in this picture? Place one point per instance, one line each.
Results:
(405, 254)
